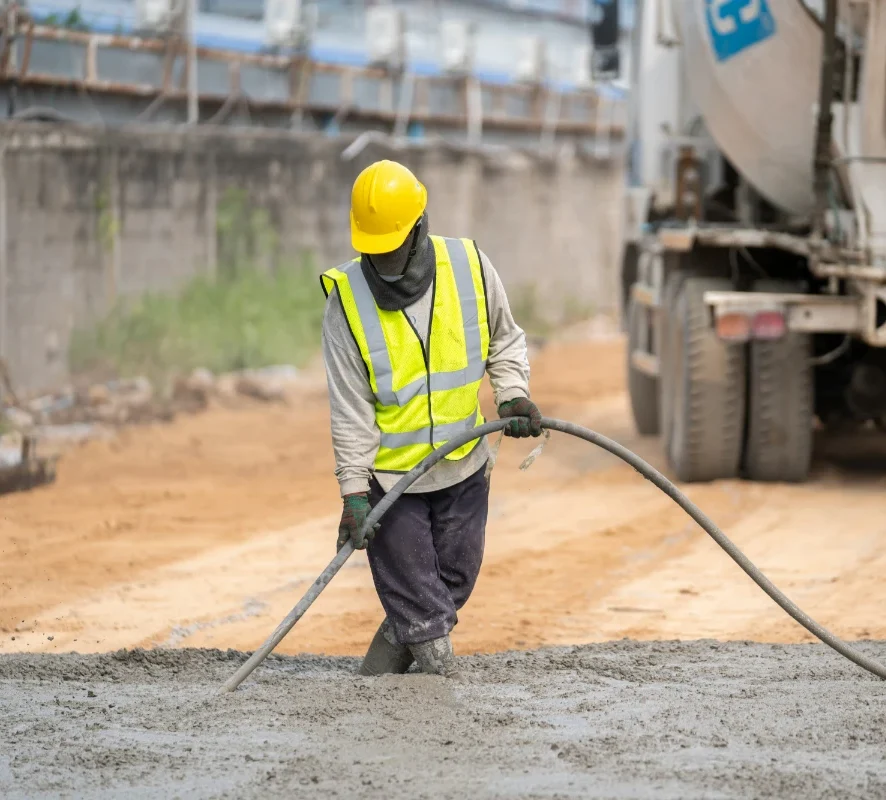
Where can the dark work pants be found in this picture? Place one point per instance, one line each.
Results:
(426, 556)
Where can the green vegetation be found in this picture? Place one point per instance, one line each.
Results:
(73, 20)
(107, 224)
(249, 314)
(244, 234)
(527, 311)
(245, 318)
(576, 310)
(536, 320)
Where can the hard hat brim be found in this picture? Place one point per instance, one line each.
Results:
(375, 244)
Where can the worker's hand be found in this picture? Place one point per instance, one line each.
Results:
(528, 417)
(355, 509)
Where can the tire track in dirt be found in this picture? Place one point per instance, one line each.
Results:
(205, 532)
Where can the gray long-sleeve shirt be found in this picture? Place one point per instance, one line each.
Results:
(355, 434)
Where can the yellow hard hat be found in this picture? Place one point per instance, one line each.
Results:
(386, 202)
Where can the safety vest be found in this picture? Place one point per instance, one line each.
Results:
(424, 395)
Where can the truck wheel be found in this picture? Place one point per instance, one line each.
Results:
(667, 313)
(642, 388)
(630, 259)
(780, 404)
(708, 394)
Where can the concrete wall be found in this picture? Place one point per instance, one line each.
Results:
(89, 216)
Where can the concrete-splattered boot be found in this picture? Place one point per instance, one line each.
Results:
(386, 655)
(436, 658)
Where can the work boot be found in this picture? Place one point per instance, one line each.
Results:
(436, 658)
(385, 654)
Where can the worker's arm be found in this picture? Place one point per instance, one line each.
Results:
(355, 435)
(508, 362)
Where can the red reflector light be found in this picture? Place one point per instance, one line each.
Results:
(769, 325)
(733, 327)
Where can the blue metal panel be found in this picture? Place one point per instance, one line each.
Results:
(339, 38)
(367, 93)
(129, 66)
(443, 99)
(323, 88)
(259, 83)
(64, 59)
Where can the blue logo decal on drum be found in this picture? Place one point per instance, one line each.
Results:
(735, 25)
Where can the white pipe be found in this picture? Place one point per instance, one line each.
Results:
(404, 108)
(193, 106)
(474, 111)
(551, 118)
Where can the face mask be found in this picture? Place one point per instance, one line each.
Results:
(391, 266)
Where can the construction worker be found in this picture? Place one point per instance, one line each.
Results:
(409, 330)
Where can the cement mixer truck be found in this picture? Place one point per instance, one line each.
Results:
(754, 259)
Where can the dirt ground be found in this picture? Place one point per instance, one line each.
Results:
(192, 540)
(204, 533)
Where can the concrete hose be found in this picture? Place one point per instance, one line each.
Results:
(650, 473)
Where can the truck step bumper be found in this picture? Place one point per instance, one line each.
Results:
(800, 313)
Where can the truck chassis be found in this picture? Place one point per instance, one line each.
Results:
(742, 341)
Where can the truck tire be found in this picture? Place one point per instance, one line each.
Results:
(630, 259)
(709, 389)
(643, 389)
(780, 404)
(667, 313)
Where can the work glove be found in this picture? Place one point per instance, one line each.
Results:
(355, 509)
(528, 417)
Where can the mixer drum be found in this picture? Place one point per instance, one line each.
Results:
(753, 67)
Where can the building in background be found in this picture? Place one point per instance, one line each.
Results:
(450, 55)
(338, 29)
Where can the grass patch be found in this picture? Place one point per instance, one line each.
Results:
(527, 311)
(537, 319)
(247, 319)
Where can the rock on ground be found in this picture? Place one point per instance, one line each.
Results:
(625, 719)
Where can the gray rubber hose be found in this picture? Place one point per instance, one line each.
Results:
(650, 473)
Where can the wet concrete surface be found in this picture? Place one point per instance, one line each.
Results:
(624, 719)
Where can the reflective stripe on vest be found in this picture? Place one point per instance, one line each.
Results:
(412, 422)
